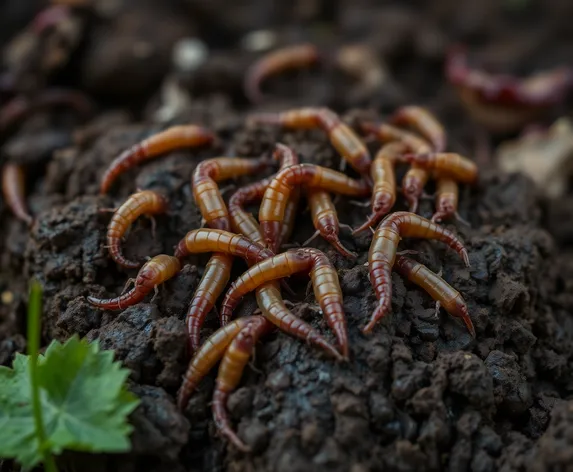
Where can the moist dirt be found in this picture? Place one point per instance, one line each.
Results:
(419, 393)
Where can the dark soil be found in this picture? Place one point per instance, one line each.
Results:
(420, 393)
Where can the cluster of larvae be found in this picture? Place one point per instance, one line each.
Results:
(232, 232)
(502, 103)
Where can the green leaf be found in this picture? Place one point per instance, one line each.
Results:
(17, 427)
(84, 403)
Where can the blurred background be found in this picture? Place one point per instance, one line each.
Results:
(495, 72)
(123, 48)
(184, 60)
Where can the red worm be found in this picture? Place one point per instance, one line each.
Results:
(386, 133)
(383, 249)
(438, 288)
(272, 306)
(172, 138)
(341, 136)
(206, 191)
(384, 181)
(146, 202)
(447, 193)
(432, 130)
(276, 62)
(323, 276)
(244, 223)
(504, 103)
(225, 245)
(207, 356)
(424, 122)
(325, 220)
(448, 164)
(214, 211)
(215, 278)
(269, 297)
(154, 272)
(415, 178)
(539, 90)
(215, 240)
(231, 369)
(272, 211)
(13, 189)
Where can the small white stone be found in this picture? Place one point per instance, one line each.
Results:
(259, 40)
(173, 101)
(189, 54)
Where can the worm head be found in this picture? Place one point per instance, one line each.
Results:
(329, 232)
(303, 255)
(460, 310)
(447, 207)
(382, 204)
(245, 341)
(146, 273)
(162, 203)
(412, 191)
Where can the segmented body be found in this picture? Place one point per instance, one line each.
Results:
(172, 138)
(271, 304)
(448, 164)
(269, 298)
(386, 133)
(215, 240)
(341, 136)
(154, 272)
(207, 356)
(424, 122)
(243, 222)
(323, 276)
(225, 245)
(447, 193)
(432, 130)
(325, 219)
(230, 372)
(450, 299)
(215, 278)
(289, 219)
(206, 191)
(214, 211)
(272, 211)
(415, 178)
(413, 185)
(382, 254)
(276, 62)
(384, 181)
(14, 191)
(146, 202)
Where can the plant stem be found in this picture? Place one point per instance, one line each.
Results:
(34, 323)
